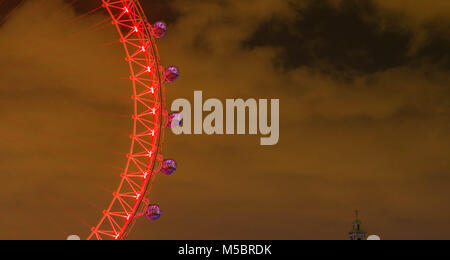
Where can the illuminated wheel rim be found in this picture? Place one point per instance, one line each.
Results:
(148, 120)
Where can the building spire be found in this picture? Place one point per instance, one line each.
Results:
(357, 233)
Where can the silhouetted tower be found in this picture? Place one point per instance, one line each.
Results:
(357, 233)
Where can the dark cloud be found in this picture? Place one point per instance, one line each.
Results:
(155, 10)
(7, 6)
(436, 49)
(348, 36)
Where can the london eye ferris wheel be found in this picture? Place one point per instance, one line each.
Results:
(150, 118)
(147, 78)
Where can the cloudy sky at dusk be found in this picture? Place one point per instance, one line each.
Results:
(364, 91)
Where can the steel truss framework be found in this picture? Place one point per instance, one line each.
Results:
(149, 119)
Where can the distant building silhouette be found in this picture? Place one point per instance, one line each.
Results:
(357, 233)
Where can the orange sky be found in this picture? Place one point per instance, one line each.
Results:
(360, 127)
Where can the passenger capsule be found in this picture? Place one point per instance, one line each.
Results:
(159, 29)
(171, 74)
(175, 120)
(169, 167)
(153, 212)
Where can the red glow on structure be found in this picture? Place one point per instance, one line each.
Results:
(147, 80)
